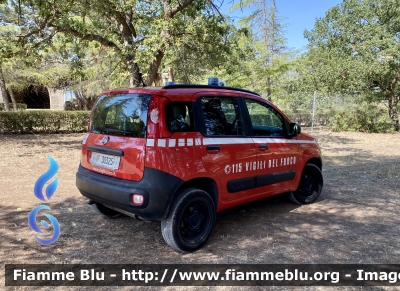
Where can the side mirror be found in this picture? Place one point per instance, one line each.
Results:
(294, 129)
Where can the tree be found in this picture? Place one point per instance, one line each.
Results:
(356, 48)
(6, 50)
(270, 54)
(4, 91)
(202, 55)
(138, 32)
(22, 67)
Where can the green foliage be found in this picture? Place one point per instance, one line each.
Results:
(136, 34)
(264, 57)
(209, 48)
(365, 117)
(92, 46)
(304, 118)
(20, 106)
(43, 121)
(42, 64)
(356, 48)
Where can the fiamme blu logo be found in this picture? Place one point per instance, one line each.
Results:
(49, 192)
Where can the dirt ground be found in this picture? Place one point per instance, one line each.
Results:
(355, 220)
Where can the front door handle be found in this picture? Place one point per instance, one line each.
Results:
(213, 148)
(263, 147)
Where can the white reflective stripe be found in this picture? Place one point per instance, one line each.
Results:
(278, 140)
(162, 143)
(226, 140)
(272, 140)
(235, 140)
(181, 142)
(171, 143)
(305, 141)
(223, 140)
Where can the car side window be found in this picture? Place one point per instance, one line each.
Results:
(266, 121)
(221, 116)
(179, 117)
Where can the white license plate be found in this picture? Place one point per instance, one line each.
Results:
(105, 161)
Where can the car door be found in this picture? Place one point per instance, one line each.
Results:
(225, 149)
(278, 156)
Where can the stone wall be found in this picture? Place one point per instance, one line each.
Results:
(57, 98)
(1, 97)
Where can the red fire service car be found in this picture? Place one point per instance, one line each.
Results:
(181, 153)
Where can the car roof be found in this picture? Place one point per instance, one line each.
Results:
(196, 86)
(184, 90)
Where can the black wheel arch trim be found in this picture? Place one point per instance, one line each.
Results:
(317, 161)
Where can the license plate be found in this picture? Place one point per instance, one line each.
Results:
(105, 161)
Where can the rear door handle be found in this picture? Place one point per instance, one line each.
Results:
(263, 147)
(213, 148)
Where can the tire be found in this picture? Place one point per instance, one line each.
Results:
(105, 211)
(190, 221)
(310, 186)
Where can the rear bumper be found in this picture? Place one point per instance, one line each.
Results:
(157, 188)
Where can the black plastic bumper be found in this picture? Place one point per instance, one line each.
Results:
(157, 188)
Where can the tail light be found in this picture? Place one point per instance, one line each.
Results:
(156, 123)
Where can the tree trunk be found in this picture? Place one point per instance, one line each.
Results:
(82, 102)
(135, 79)
(4, 91)
(154, 66)
(14, 103)
(393, 112)
(171, 77)
(269, 91)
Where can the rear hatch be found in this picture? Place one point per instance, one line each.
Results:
(115, 144)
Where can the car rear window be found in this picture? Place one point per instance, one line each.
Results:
(121, 115)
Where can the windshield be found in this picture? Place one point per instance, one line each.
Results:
(121, 114)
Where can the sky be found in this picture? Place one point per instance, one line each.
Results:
(298, 15)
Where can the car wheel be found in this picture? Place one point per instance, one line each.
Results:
(105, 211)
(190, 221)
(310, 186)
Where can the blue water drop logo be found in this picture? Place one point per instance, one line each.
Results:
(50, 190)
(43, 179)
(32, 223)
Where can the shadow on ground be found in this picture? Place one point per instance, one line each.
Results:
(355, 221)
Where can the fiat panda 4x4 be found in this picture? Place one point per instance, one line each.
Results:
(181, 153)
